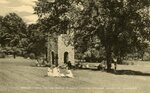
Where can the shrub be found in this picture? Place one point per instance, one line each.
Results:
(32, 56)
(146, 56)
(2, 55)
(127, 63)
(25, 55)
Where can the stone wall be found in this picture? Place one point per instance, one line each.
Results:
(65, 48)
(59, 47)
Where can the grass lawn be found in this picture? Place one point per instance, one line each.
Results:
(20, 76)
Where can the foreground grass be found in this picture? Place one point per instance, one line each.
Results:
(20, 76)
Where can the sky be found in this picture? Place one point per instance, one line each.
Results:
(24, 8)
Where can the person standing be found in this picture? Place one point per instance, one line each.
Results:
(69, 64)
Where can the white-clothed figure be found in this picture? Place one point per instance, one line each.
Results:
(69, 74)
(62, 75)
(50, 72)
(87, 66)
(56, 72)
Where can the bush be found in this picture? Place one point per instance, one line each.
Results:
(2, 55)
(32, 56)
(146, 56)
(25, 55)
(127, 63)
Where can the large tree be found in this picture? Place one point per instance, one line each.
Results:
(13, 32)
(36, 40)
(119, 24)
(54, 17)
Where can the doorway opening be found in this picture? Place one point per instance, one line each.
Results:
(53, 58)
(66, 58)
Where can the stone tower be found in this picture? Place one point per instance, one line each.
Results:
(60, 51)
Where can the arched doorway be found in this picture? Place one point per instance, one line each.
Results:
(53, 58)
(66, 58)
(56, 60)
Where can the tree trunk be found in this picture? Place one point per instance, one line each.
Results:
(108, 58)
(46, 55)
(14, 55)
(48, 50)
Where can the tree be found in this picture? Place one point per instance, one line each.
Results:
(54, 17)
(1, 31)
(14, 30)
(36, 40)
(118, 24)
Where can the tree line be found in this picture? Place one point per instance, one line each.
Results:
(20, 39)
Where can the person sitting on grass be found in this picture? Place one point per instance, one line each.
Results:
(102, 65)
(37, 63)
(114, 61)
(56, 72)
(50, 72)
(69, 73)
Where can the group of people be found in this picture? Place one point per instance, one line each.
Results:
(55, 72)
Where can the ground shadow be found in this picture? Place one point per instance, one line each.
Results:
(125, 72)
(131, 72)
(97, 70)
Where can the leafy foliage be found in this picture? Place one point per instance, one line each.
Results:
(36, 40)
(54, 16)
(13, 31)
(118, 23)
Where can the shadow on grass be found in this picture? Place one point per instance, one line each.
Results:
(125, 72)
(131, 72)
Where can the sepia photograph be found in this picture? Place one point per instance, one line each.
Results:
(74, 46)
